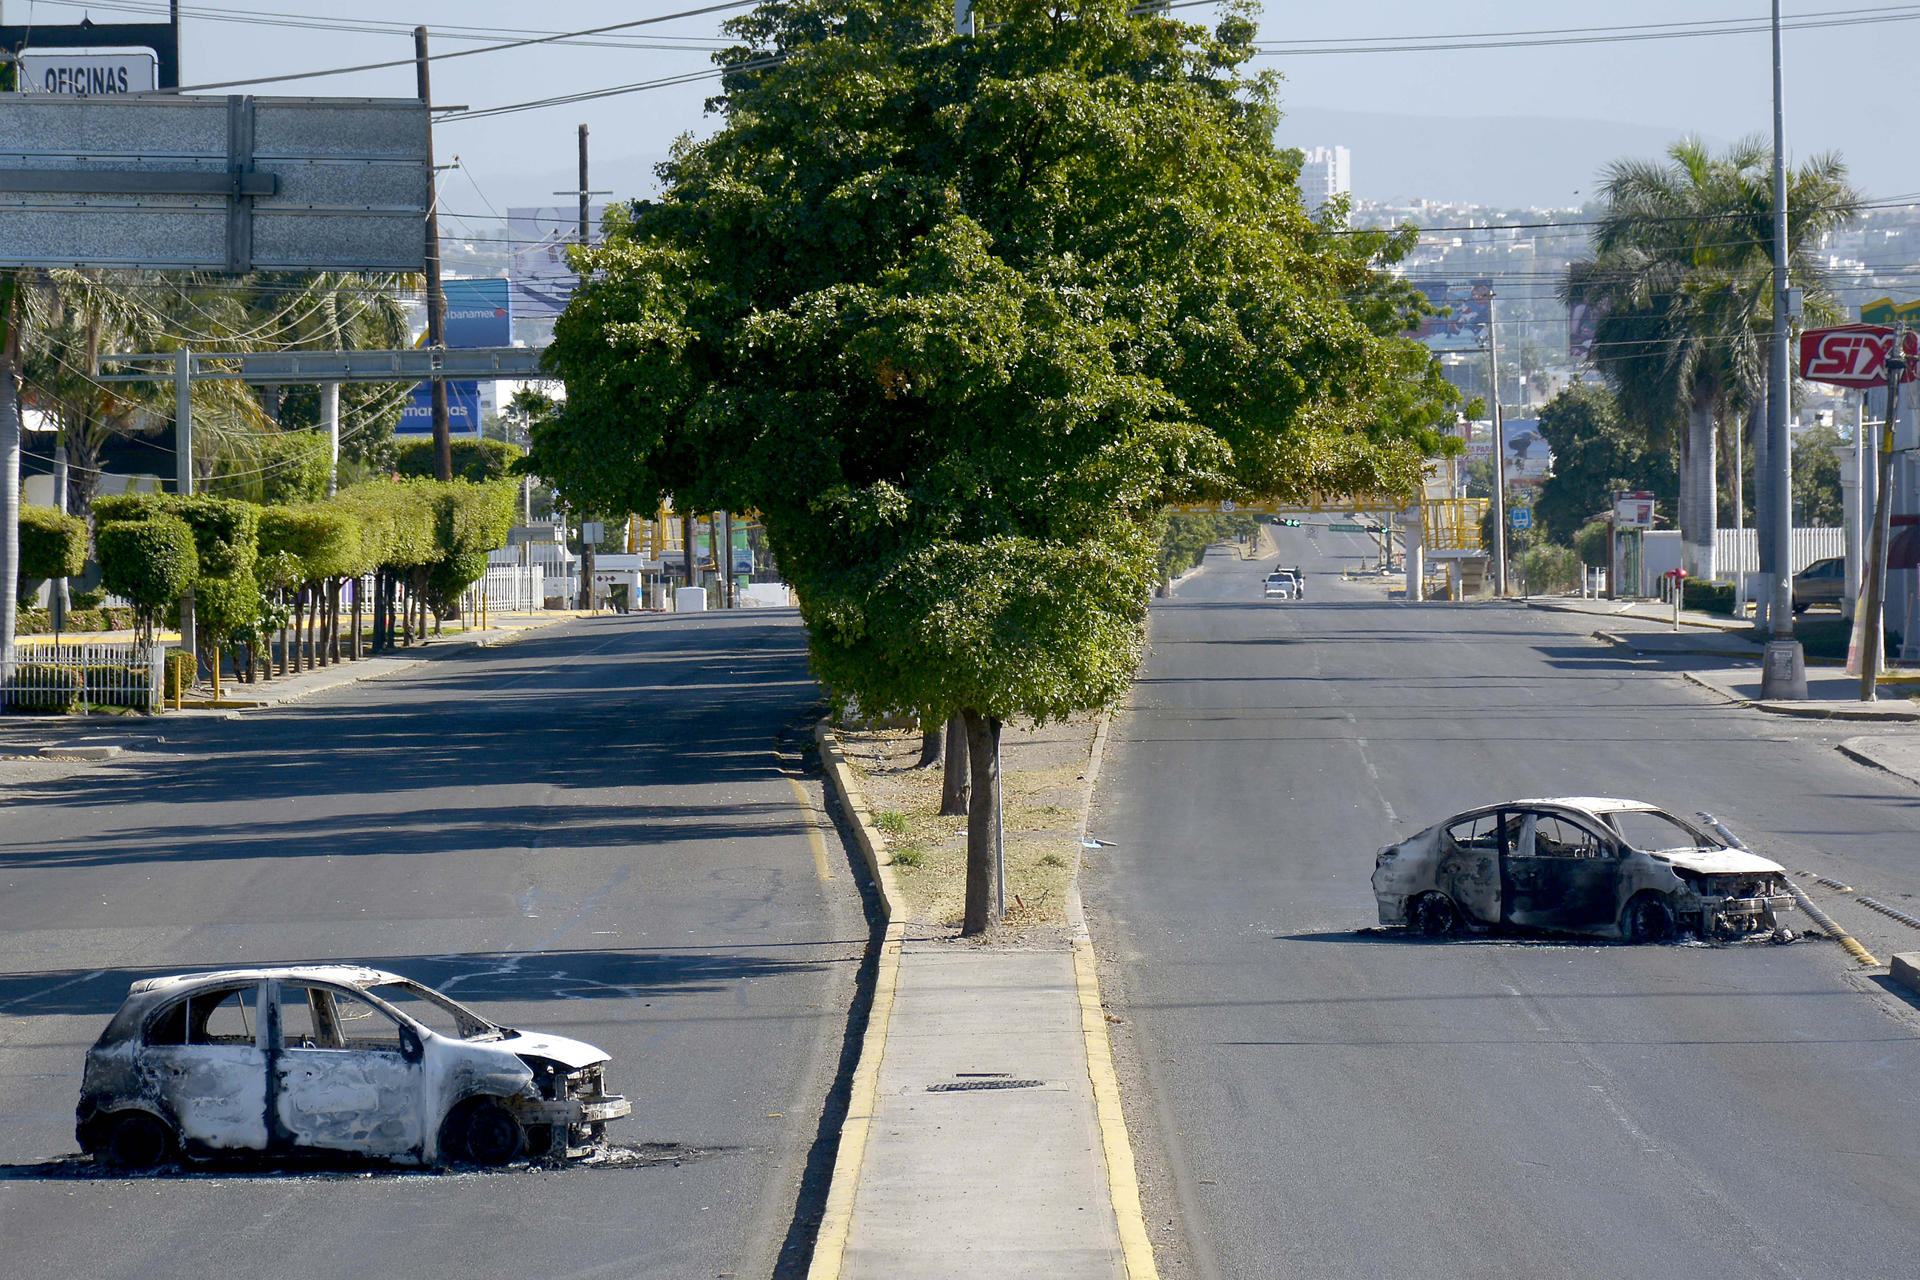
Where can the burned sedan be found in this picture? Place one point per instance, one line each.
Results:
(1618, 868)
(330, 1059)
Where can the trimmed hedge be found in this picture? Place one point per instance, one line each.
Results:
(39, 686)
(476, 461)
(37, 622)
(53, 544)
(1707, 596)
(150, 561)
(178, 674)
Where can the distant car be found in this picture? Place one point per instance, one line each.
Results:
(1285, 584)
(330, 1059)
(1618, 868)
(1822, 582)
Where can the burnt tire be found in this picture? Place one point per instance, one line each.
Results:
(1647, 918)
(134, 1140)
(482, 1131)
(1434, 916)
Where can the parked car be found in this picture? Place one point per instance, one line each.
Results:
(330, 1059)
(1285, 584)
(1822, 582)
(1618, 868)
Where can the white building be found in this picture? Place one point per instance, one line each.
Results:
(1327, 172)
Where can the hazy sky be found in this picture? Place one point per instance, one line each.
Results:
(1719, 86)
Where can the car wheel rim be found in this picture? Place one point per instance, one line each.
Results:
(137, 1142)
(493, 1136)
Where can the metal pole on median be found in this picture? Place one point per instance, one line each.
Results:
(1499, 462)
(183, 459)
(1783, 671)
(1868, 624)
(330, 416)
(999, 829)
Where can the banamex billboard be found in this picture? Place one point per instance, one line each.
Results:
(479, 314)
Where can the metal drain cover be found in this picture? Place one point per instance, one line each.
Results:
(970, 1086)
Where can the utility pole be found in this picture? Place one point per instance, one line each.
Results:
(1783, 671)
(1499, 461)
(183, 459)
(436, 295)
(1867, 622)
(727, 592)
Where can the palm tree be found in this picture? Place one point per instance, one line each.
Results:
(1682, 275)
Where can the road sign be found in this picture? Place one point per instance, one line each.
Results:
(1520, 517)
(88, 74)
(1854, 355)
(1348, 528)
(231, 184)
(1633, 511)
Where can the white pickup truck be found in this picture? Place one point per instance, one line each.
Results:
(1285, 584)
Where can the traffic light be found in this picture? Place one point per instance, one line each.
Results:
(1287, 521)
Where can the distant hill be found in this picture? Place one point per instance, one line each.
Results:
(1505, 161)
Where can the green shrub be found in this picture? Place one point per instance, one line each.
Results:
(891, 821)
(1593, 543)
(150, 562)
(1707, 596)
(39, 686)
(473, 460)
(1549, 568)
(179, 673)
(88, 599)
(53, 544)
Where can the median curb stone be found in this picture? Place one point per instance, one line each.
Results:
(1904, 969)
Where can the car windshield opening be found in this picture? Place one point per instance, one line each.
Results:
(1651, 831)
(435, 1012)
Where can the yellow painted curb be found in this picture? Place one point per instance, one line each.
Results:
(830, 1244)
(1123, 1184)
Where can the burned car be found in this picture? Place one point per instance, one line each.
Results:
(330, 1060)
(1618, 868)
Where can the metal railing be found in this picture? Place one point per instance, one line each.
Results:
(515, 588)
(80, 677)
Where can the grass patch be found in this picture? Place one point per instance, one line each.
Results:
(909, 855)
(891, 821)
(1052, 860)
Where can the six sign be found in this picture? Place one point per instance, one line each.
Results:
(1854, 355)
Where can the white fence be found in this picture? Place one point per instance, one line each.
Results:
(1735, 551)
(72, 677)
(516, 588)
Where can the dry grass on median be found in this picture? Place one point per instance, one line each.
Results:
(1045, 782)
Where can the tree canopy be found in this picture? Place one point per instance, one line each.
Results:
(1594, 453)
(958, 316)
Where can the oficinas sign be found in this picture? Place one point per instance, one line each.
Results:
(86, 75)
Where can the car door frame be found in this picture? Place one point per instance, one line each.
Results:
(1476, 891)
(388, 1129)
(1590, 887)
(216, 1095)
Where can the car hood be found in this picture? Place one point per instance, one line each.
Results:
(1721, 862)
(571, 1054)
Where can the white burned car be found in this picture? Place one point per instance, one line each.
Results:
(1618, 868)
(330, 1059)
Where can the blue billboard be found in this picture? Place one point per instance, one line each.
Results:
(463, 411)
(479, 312)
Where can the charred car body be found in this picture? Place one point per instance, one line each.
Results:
(330, 1059)
(1618, 868)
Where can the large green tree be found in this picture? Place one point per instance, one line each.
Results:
(1594, 453)
(1682, 274)
(959, 316)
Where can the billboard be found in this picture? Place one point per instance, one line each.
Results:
(1855, 355)
(542, 280)
(202, 183)
(479, 312)
(463, 411)
(1890, 313)
(1583, 327)
(1469, 304)
(1527, 456)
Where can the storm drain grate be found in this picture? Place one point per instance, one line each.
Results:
(971, 1086)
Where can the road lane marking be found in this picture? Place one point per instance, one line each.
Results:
(814, 838)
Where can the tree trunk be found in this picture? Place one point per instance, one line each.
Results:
(333, 620)
(983, 735)
(1699, 491)
(9, 461)
(955, 782)
(686, 546)
(933, 743)
(354, 644)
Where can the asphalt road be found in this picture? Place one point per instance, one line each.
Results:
(591, 832)
(1316, 1097)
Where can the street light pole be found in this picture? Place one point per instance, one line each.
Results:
(1867, 623)
(1499, 462)
(1783, 672)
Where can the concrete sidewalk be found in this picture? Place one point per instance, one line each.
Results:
(983, 1136)
(1732, 671)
